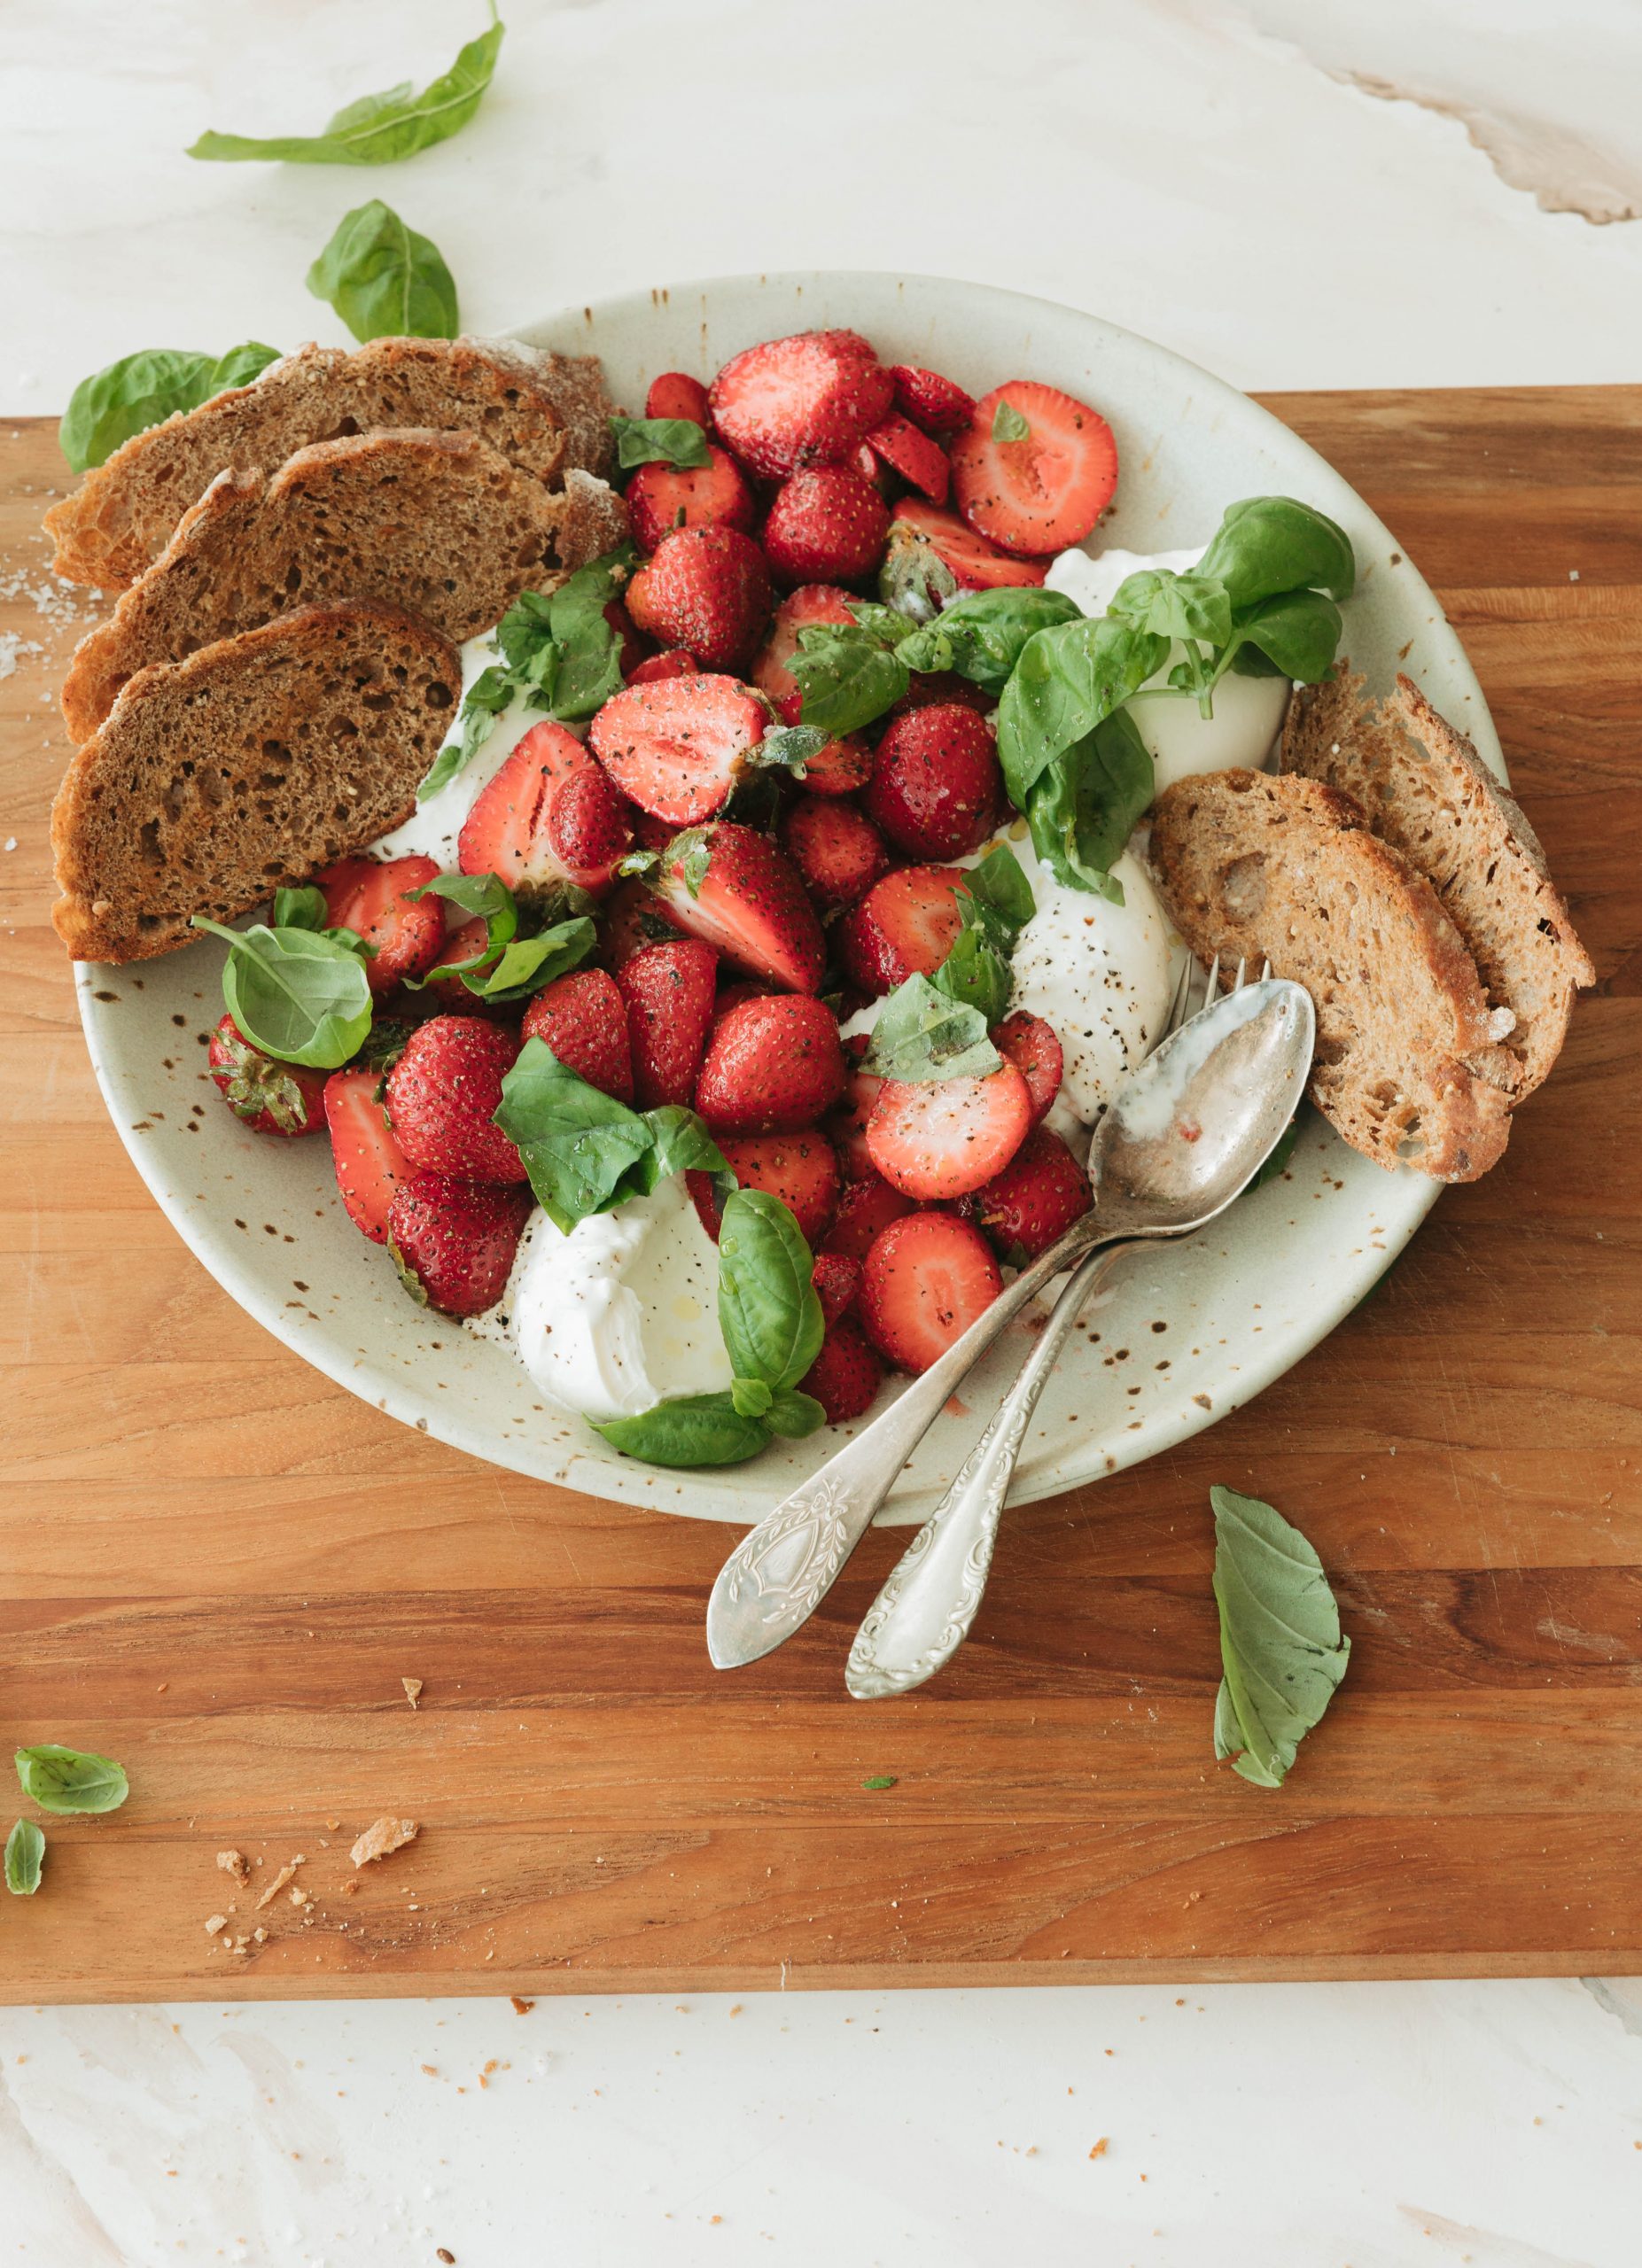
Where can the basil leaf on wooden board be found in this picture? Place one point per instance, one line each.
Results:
(1008, 423)
(768, 1309)
(1268, 544)
(377, 129)
(25, 1855)
(846, 677)
(297, 994)
(1083, 810)
(385, 280)
(981, 634)
(659, 441)
(141, 389)
(577, 1142)
(922, 1035)
(702, 1429)
(1281, 1643)
(1296, 635)
(71, 1779)
(1068, 680)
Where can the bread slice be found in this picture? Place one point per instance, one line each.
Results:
(544, 412)
(1286, 870)
(1425, 791)
(438, 523)
(252, 764)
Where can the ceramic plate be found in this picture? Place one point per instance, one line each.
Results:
(1184, 1333)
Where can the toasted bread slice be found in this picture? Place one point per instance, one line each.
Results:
(439, 523)
(252, 764)
(1425, 791)
(1286, 870)
(544, 412)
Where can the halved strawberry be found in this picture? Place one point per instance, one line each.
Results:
(370, 1163)
(1034, 1048)
(836, 849)
(1045, 490)
(674, 395)
(659, 667)
(730, 884)
(582, 1018)
(807, 400)
(936, 785)
(515, 829)
(846, 1127)
(799, 1168)
(773, 1066)
(443, 1094)
(826, 525)
(836, 1280)
(453, 1241)
(943, 1137)
(925, 1281)
(930, 401)
(973, 564)
(846, 1375)
(368, 896)
(707, 589)
(663, 497)
(913, 455)
(865, 1210)
(677, 749)
(1035, 1199)
(811, 602)
(667, 992)
(270, 1096)
(904, 926)
(630, 919)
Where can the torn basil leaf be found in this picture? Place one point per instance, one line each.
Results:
(1281, 1643)
(298, 994)
(659, 441)
(846, 677)
(145, 388)
(922, 1035)
(768, 1309)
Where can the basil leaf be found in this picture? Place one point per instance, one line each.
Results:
(484, 700)
(750, 1397)
(889, 627)
(1009, 425)
(769, 1310)
(1268, 544)
(480, 896)
(577, 1142)
(1068, 679)
(25, 1855)
(71, 1779)
(141, 389)
(680, 1144)
(978, 975)
(915, 580)
(921, 1034)
(379, 129)
(528, 964)
(659, 441)
(295, 994)
(385, 280)
(1084, 809)
(981, 634)
(1281, 1644)
(303, 908)
(1296, 635)
(588, 669)
(789, 746)
(1191, 606)
(996, 896)
(702, 1429)
(794, 1416)
(846, 677)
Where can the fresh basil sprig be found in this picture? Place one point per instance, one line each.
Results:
(385, 280)
(1084, 806)
(301, 995)
(922, 1035)
(1068, 679)
(981, 634)
(659, 441)
(583, 1150)
(71, 1779)
(25, 1855)
(1281, 1643)
(379, 129)
(140, 390)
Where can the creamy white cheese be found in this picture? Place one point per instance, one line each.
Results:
(431, 829)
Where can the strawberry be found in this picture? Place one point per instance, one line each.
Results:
(453, 1241)
(930, 400)
(706, 589)
(1035, 1198)
(443, 1093)
(799, 1168)
(826, 525)
(773, 1066)
(846, 1128)
(630, 919)
(369, 896)
(518, 830)
(811, 604)
(1045, 491)
(667, 992)
(841, 767)
(808, 400)
(846, 1375)
(659, 667)
(370, 1163)
(904, 926)
(871, 469)
(925, 1281)
(943, 1137)
(583, 1020)
(677, 748)
(918, 528)
(650, 833)
(865, 1210)
(1031, 1045)
(936, 785)
(917, 459)
(731, 995)
(835, 848)
(632, 645)
(663, 497)
(272, 1096)
(940, 689)
(674, 395)
(836, 1280)
(730, 884)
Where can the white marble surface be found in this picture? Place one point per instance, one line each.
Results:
(1235, 180)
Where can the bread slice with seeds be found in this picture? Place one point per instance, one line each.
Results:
(252, 763)
(438, 523)
(1286, 870)
(1425, 791)
(544, 412)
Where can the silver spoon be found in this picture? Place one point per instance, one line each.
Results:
(1182, 1139)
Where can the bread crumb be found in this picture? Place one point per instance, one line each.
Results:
(521, 2008)
(278, 1884)
(413, 1686)
(382, 1836)
(350, 1889)
(260, 1934)
(217, 1922)
(1101, 2147)
(234, 1863)
(297, 1895)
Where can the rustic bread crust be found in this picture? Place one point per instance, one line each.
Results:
(254, 763)
(1285, 870)
(1425, 791)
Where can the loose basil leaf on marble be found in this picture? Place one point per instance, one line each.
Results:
(659, 441)
(300, 995)
(143, 389)
(300, 908)
(701, 1429)
(1268, 544)
(25, 1855)
(982, 635)
(577, 1142)
(846, 677)
(1281, 1643)
(1083, 808)
(526, 964)
(1296, 634)
(794, 1416)
(769, 1310)
(922, 1034)
(71, 1779)
(385, 280)
(379, 129)
(1068, 679)
(1008, 423)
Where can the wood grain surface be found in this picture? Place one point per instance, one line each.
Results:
(218, 1567)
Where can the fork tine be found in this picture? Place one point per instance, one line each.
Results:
(1265, 972)
(1214, 980)
(1179, 1007)
(1237, 982)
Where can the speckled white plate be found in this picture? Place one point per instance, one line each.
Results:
(1184, 1335)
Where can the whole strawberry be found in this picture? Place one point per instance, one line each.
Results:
(453, 1241)
(810, 399)
(443, 1093)
(272, 1096)
(827, 525)
(772, 1066)
(708, 590)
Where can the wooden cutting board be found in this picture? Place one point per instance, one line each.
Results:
(219, 1568)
